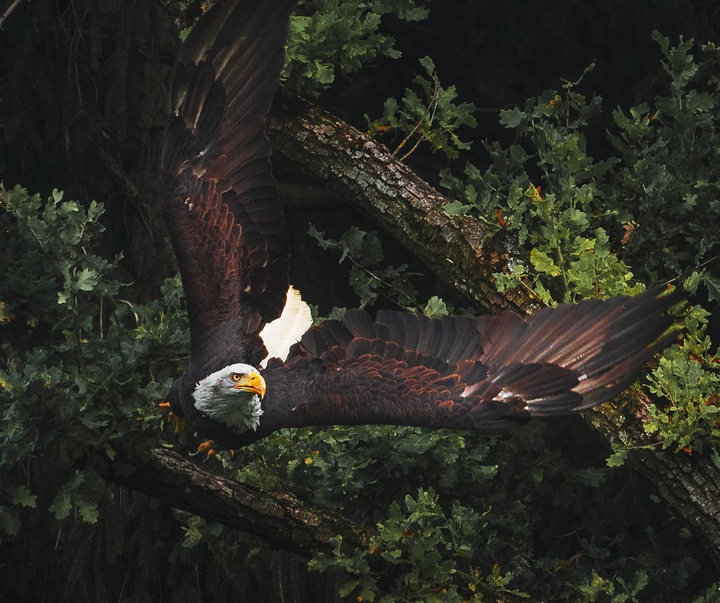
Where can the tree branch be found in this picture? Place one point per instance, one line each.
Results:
(279, 518)
(314, 142)
(8, 12)
(689, 484)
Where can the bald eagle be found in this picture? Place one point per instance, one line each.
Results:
(229, 235)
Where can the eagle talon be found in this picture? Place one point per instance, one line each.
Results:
(206, 448)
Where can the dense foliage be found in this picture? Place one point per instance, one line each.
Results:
(463, 517)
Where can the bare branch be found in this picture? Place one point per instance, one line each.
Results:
(8, 12)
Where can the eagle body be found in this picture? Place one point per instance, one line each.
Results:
(229, 234)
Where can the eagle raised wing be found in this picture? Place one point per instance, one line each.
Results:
(229, 234)
(222, 209)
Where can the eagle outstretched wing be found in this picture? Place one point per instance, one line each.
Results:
(222, 209)
(464, 372)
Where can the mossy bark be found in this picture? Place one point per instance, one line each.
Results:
(313, 142)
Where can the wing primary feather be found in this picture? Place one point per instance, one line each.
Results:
(222, 208)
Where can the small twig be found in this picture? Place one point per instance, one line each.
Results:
(8, 12)
(429, 115)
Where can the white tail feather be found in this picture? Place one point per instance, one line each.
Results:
(280, 334)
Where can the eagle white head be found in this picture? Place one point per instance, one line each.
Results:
(232, 396)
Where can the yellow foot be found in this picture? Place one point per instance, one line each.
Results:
(206, 448)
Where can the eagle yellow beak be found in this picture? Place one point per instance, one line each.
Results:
(252, 382)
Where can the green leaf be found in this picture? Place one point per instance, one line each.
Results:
(512, 118)
(713, 286)
(62, 505)
(22, 496)
(89, 511)
(429, 65)
(691, 283)
(87, 279)
(456, 208)
(348, 587)
(435, 308)
(544, 263)
(9, 522)
(617, 458)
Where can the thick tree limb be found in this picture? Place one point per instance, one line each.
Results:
(689, 484)
(279, 518)
(336, 154)
(312, 141)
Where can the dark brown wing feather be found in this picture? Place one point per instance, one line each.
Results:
(464, 372)
(222, 208)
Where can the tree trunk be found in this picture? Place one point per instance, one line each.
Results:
(688, 483)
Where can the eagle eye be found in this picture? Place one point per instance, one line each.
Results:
(235, 376)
